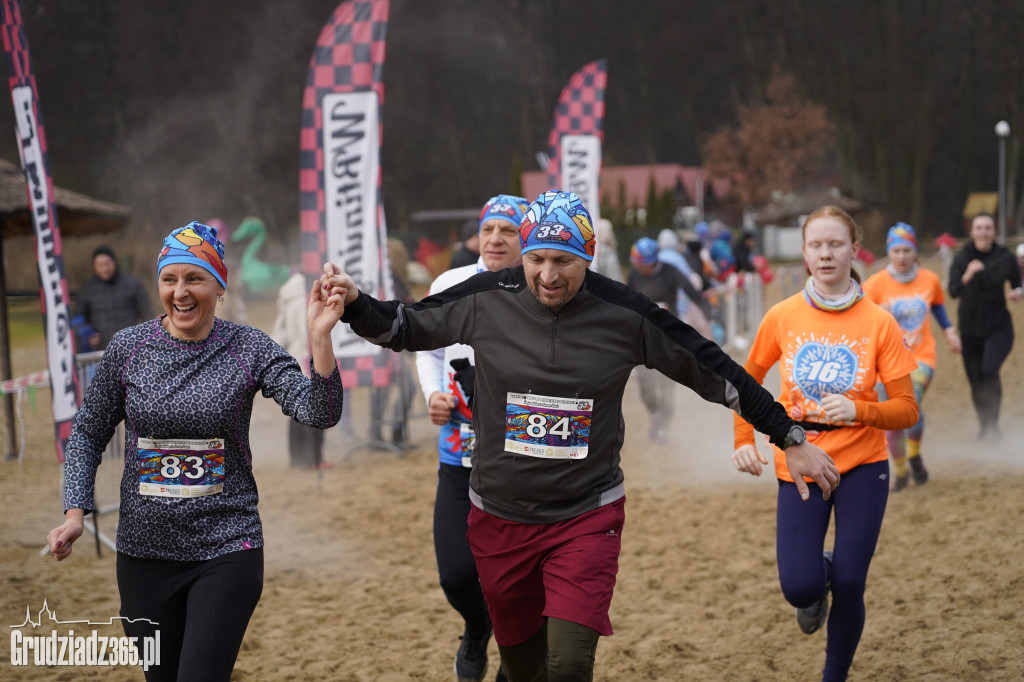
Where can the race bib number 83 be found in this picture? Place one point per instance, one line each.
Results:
(181, 467)
(545, 426)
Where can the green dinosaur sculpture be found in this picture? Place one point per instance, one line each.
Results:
(259, 277)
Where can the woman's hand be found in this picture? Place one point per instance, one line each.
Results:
(61, 538)
(323, 312)
(973, 268)
(749, 459)
(839, 408)
(954, 340)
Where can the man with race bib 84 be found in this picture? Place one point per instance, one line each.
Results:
(554, 345)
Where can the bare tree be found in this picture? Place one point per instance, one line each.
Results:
(780, 144)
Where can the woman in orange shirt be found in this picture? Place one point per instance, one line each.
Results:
(833, 345)
(910, 293)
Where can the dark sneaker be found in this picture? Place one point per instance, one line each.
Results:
(917, 470)
(900, 482)
(810, 619)
(471, 659)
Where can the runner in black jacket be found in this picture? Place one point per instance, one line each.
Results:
(978, 276)
(555, 344)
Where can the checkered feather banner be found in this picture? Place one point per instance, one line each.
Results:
(580, 111)
(339, 200)
(60, 349)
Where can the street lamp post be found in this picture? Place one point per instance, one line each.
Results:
(1003, 131)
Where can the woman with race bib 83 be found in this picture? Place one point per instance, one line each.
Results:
(832, 345)
(189, 538)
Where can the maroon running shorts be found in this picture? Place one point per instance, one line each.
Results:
(533, 571)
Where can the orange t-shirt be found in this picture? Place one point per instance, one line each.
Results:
(823, 352)
(911, 305)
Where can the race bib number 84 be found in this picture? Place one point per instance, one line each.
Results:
(545, 426)
(181, 467)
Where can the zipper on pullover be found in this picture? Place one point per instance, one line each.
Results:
(554, 330)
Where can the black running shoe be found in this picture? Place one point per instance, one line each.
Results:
(811, 618)
(917, 470)
(471, 659)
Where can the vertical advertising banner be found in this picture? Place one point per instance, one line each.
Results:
(341, 215)
(60, 350)
(574, 146)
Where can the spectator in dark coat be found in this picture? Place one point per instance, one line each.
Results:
(469, 250)
(109, 302)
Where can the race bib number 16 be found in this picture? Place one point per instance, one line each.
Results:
(181, 467)
(545, 426)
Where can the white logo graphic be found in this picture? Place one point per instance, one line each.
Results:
(80, 650)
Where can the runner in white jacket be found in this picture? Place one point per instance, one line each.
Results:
(446, 378)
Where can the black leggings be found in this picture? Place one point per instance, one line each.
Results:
(983, 357)
(201, 609)
(455, 564)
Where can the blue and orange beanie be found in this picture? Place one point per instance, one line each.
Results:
(558, 220)
(901, 234)
(195, 244)
(644, 252)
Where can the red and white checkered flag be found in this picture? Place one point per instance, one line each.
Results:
(35, 160)
(341, 214)
(580, 111)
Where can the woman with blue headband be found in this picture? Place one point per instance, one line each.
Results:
(189, 539)
(911, 293)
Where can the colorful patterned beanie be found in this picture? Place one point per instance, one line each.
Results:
(558, 220)
(504, 207)
(901, 234)
(195, 244)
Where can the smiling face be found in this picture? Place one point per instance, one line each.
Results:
(499, 244)
(983, 232)
(829, 251)
(554, 276)
(189, 296)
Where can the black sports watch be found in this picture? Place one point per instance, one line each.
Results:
(795, 436)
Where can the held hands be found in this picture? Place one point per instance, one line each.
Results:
(326, 306)
(63, 536)
(323, 311)
(1015, 294)
(839, 408)
(440, 407)
(335, 282)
